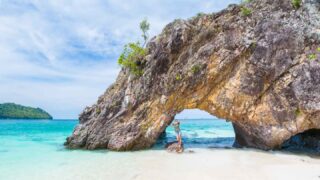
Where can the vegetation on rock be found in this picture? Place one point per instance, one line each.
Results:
(145, 26)
(195, 69)
(297, 112)
(133, 53)
(312, 56)
(246, 11)
(15, 111)
(296, 3)
(199, 15)
(178, 77)
(132, 57)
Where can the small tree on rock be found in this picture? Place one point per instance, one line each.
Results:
(145, 26)
(133, 53)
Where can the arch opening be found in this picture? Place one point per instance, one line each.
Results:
(200, 130)
(306, 142)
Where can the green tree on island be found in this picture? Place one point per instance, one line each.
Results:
(15, 111)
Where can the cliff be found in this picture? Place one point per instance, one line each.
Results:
(257, 65)
(15, 111)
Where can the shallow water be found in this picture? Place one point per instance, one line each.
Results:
(202, 133)
(32, 150)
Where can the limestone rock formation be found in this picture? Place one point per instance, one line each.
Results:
(174, 147)
(260, 70)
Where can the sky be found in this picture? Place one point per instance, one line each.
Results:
(60, 55)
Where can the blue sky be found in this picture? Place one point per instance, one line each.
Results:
(60, 55)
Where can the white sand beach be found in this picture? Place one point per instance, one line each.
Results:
(159, 164)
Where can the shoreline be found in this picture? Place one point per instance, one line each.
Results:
(35, 151)
(159, 164)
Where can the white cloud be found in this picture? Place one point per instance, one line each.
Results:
(61, 54)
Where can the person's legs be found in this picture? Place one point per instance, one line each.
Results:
(178, 137)
(179, 140)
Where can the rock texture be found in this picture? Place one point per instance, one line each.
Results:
(174, 147)
(260, 71)
(308, 141)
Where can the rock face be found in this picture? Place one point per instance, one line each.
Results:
(174, 147)
(307, 141)
(260, 71)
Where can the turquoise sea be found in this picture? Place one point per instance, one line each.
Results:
(33, 149)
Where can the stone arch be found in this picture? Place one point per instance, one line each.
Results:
(200, 130)
(194, 114)
(260, 79)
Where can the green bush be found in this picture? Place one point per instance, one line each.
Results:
(133, 53)
(200, 14)
(246, 11)
(312, 56)
(247, 1)
(178, 77)
(144, 27)
(195, 69)
(98, 110)
(132, 57)
(297, 112)
(318, 49)
(296, 3)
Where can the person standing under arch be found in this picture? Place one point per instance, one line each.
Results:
(176, 125)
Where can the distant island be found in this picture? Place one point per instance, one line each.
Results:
(16, 111)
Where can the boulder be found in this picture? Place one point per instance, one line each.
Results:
(174, 147)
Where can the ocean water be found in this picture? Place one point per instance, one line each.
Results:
(33, 150)
(202, 133)
(29, 148)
